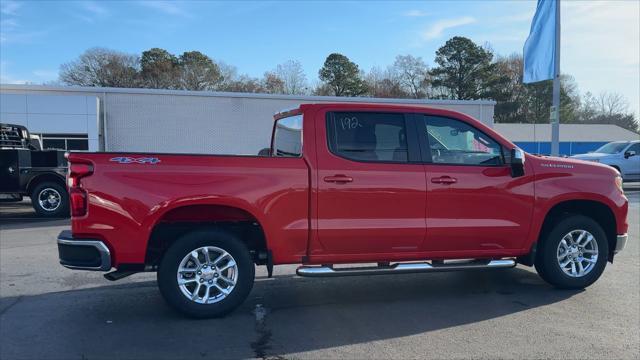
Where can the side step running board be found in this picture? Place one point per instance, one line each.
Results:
(403, 268)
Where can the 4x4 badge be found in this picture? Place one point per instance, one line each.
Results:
(131, 160)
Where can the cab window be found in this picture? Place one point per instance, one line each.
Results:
(458, 143)
(368, 136)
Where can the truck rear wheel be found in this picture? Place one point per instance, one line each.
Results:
(50, 199)
(574, 254)
(206, 273)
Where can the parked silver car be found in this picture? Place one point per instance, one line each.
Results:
(622, 155)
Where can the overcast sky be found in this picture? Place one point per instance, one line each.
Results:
(600, 39)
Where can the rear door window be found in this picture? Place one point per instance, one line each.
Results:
(368, 136)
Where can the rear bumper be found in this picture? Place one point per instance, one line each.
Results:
(621, 242)
(83, 254)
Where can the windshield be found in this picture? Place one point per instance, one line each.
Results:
(612, 148)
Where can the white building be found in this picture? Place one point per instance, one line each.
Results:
(144, 120)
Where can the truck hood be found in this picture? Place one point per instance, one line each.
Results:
(574, 166)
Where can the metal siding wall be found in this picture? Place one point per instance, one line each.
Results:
(206, 124)
(147, 120)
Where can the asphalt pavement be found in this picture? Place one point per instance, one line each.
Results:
(49, 312)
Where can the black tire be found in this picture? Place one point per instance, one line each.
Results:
(61, 211)
(167, 273)
(547, 264)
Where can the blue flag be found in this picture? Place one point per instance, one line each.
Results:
(540, 47)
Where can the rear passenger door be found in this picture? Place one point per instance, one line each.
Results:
(371, 185)
(473, 203)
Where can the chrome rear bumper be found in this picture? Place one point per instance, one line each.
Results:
(83, 254)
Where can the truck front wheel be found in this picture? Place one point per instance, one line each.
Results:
(206, 273)
(574, 254)
(50, 199)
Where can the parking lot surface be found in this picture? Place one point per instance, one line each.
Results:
(49, 312)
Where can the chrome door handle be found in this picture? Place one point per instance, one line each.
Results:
(338, 179)
(447, 180)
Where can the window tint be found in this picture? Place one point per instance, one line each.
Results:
(368, 136)
(287, 138)
(455, 142)
(54, 144)
(77, 144)
(635, 147)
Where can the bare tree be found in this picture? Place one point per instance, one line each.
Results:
(385, 84)
(293, 77)
(413, 74)
(610, 103)
(273, 84)
(102, 67)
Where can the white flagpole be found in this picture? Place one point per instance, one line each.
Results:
(555, 109)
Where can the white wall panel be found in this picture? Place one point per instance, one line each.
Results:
(13, 118)
(57, 123)
(39, 104)
(13, 103)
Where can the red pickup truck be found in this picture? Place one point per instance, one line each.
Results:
(404, 189)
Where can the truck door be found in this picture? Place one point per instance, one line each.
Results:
(473, 203)
(371, 185)
(631, 163)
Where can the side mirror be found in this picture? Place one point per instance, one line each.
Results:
(517, 162)
(628, 154)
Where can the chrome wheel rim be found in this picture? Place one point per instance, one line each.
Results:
(49, 199)
(207, 275)
(577, 253)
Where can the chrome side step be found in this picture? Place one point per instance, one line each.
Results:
(404, 268)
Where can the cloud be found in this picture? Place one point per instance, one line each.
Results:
(166, 7)
(8, 23)
(90, 11)
(9, 7)
(94, 8)
(439, 27)
(415, 13)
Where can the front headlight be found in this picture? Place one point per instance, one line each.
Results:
(619, 184)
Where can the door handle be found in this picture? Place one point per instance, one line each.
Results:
(338, 179)
(447, 180)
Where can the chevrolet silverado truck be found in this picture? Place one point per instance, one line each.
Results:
(346, 189)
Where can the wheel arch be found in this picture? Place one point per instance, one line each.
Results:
(40, 178)
(596, 210)
(179, 220)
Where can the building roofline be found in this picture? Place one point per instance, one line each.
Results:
(94, 90)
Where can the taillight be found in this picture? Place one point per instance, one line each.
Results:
(76, 172)
(78, 200)
(78, 195)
